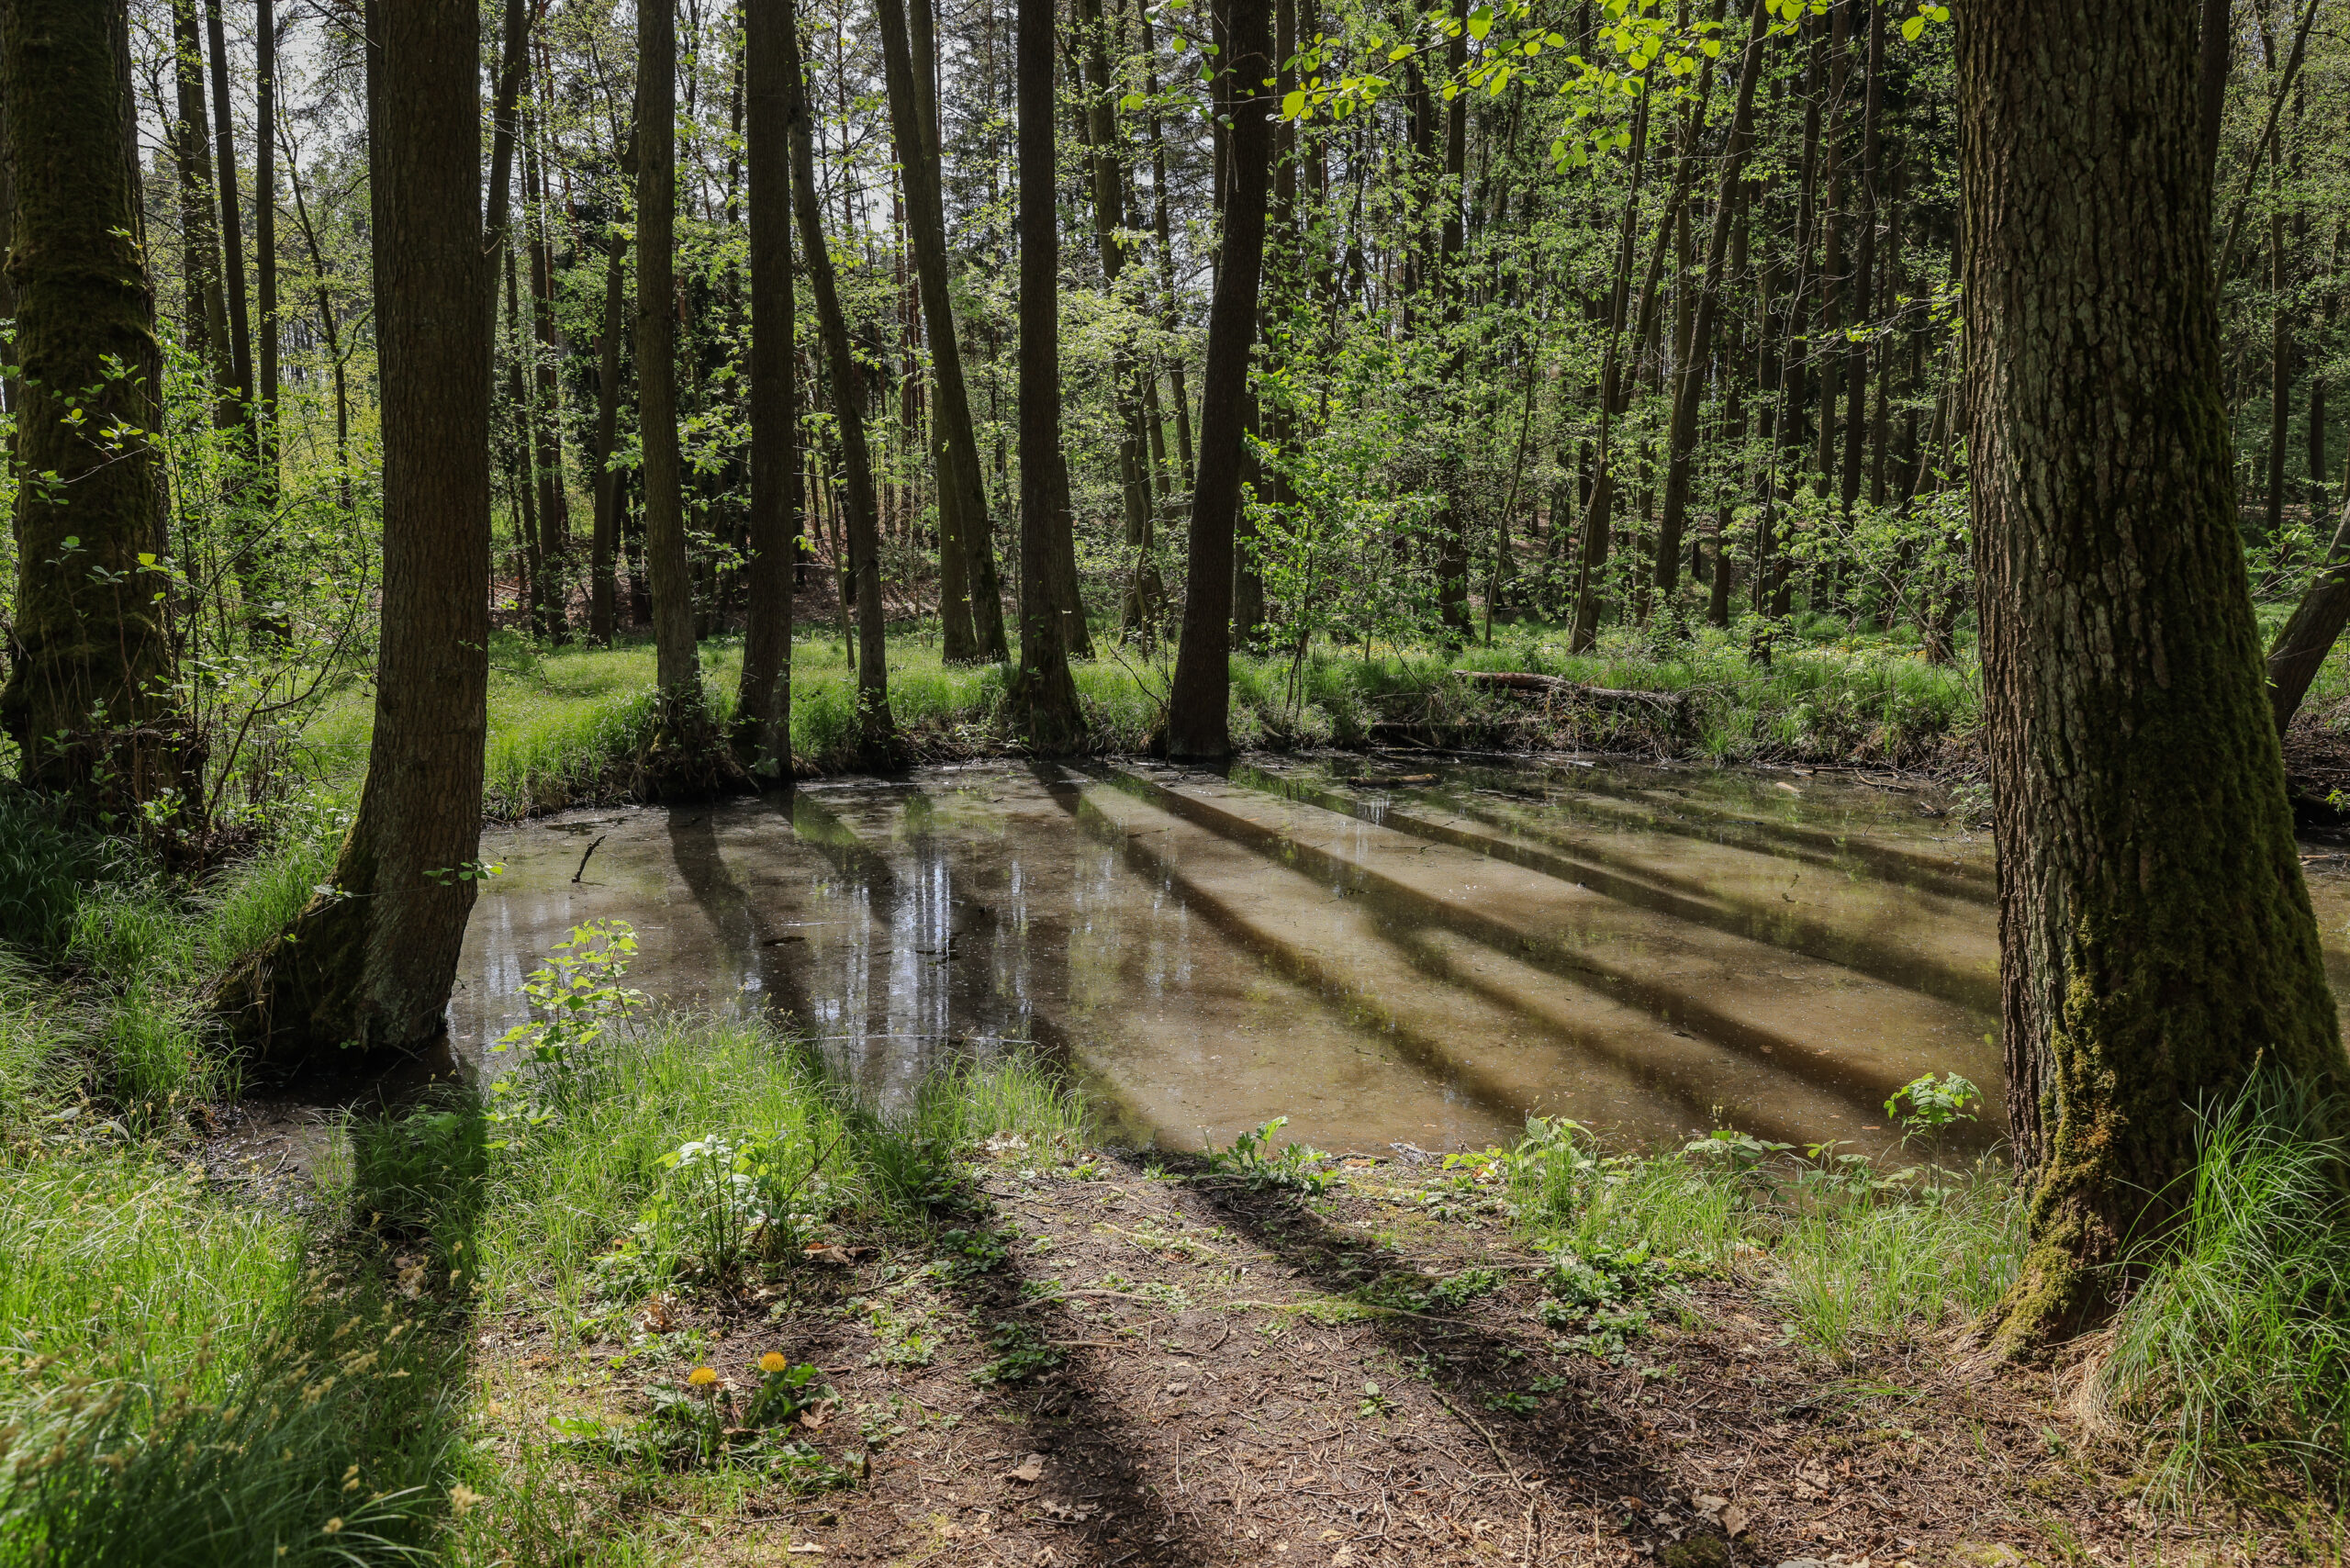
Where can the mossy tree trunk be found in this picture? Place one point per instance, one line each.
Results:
(370, 963)
(88, 697)
(765, 701)
(2156, 941)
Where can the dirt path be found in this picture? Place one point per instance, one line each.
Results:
(1142, 1368)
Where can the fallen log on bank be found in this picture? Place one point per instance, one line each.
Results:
(1671, 703)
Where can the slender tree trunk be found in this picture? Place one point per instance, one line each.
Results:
(233, 238)
(2156, 941)
(546, 423)
(975, 630)
(1856, 354)
(1452, 526)
(1199, 701)
(2280, 374)
(875, 730)
(1689, 387)
(370, 962)
(764, 705)
(87, 699)
(531, 591)
(207, 316)
(1160, 221)
(1599, 504)
(265, 244)
(603, 589)
(1044, 694)
(677, 661)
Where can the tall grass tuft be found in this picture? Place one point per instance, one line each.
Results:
(2234, 1350)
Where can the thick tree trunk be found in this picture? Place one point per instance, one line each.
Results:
(675, 660)
(1199, 701)
(876, 732)
(764, 705)
(1044, 694)
(87, 698)
(2155, 938)
(975, 630)
(370, 963)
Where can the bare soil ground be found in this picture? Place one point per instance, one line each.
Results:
(1110, 1365)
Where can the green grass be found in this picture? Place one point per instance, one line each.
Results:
(2233, 1354)
(565, 721)
(1853, 1268)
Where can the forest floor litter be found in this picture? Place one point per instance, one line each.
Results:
(1109, 1360)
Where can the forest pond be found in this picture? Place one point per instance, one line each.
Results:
(1381, 950)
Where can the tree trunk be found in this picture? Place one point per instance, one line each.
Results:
(603, 589)
(1856, 354)
(532, 590)
(208, 317)
(546, 422)
(2156, 941)
(2280, 374)
(1044, 694)
(265, 245)
(1689, 387)
(676, 659)
(876, 732)
(1452, 525)
(962, 478)
(370, 963)
(88, 695)
(232, 236)
(1599, 503)
(2308, 637)
(1199, 701)
(763, 708)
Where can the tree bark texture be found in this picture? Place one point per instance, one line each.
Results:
(87, 698)
(1199, 701)
(764, 704)
(265, 246)
(370, 963)
(1044, 694)
(676, 662)
(2155, 937)
(208, 317)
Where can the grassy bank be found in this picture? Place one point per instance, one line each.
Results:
(565, 723)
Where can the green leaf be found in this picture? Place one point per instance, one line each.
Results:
(1481, 22)
(1292, 104)
(1400, 51)
(1911, 28)
(1131, 103)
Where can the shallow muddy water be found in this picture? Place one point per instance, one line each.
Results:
(1382, 952)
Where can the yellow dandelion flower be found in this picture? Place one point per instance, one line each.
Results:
(773, 1362)
(702, 1377)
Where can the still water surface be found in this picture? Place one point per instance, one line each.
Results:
(1380, 951)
